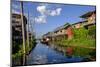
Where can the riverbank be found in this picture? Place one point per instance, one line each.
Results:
(83, 43)
(17, 58)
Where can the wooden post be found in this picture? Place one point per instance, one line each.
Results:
(23, 32)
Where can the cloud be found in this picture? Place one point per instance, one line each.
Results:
(41, 9)
(40, 19)
(58, 11)
(52, 13)
(55, 12)
(44, 13)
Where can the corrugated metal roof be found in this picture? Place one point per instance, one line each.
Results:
(62, 27)
(88, 14)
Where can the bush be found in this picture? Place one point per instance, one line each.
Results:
(15, 47)
(81, 38)
(80, 33)
(92, 31)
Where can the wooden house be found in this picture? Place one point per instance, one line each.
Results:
(17, 28)
(90, 17)
(62, 32)
(79, 24)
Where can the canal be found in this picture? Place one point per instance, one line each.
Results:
(44, 54)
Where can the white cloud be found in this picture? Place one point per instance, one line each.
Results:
(40, 19)
(58, 11)
(52, 13)
(41, 9)
(55, 12)
(46, 12)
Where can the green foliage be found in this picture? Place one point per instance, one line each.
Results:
(83, 52)
(92, 31)
(15, 47)
(81, 38)
(80, 33)
(17, 53)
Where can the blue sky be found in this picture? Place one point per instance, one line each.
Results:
(46, 17)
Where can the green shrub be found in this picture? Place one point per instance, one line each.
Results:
(80, 33)
(92, 31)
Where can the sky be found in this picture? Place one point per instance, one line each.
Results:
(45, 17)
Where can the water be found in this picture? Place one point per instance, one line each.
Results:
(43, 54)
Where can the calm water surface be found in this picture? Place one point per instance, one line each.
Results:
(43, 54)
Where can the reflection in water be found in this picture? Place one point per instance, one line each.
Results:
(43, 54)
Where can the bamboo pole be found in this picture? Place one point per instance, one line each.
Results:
(23, 32)
(31, 30)
(28, 33)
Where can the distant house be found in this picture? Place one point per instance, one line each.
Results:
(61, 32)
(69, 32)
(64, 31)
(17, 28)
(79, 24)
(90, 17)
